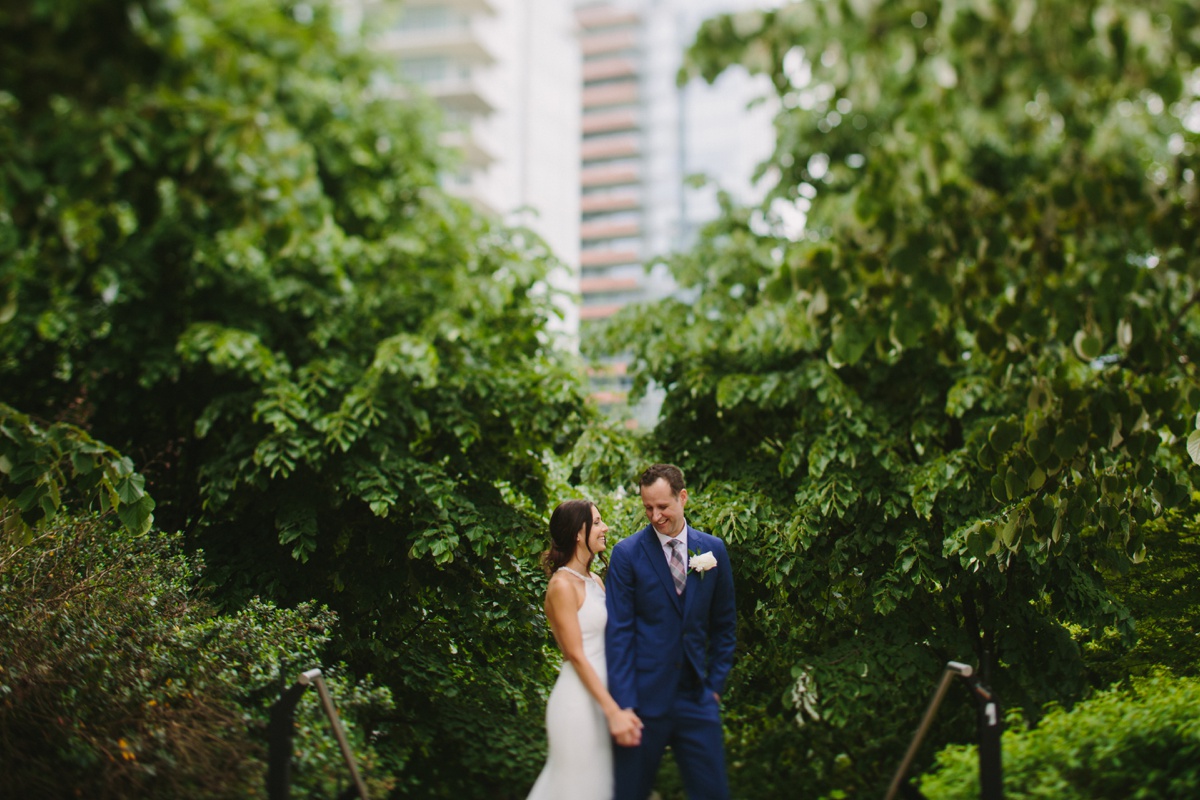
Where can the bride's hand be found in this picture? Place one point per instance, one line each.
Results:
(625, 727)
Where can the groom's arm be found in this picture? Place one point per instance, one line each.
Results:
(619, 643)
(722, 626)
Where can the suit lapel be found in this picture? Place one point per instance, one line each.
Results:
(693, 578)
(658, 561)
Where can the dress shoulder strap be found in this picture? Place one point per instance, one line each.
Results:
(589, 578)
(579, 575)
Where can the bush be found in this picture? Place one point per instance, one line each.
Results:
(1138, 741)
(117, 680)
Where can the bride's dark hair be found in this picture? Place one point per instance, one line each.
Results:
(565, 522)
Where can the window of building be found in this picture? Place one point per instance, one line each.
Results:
(627, 243)
(608, 136)
(613, 216)
(620, 80)
(604, 55)
(425, 69)
(618, 162)
(431, 69)
(608, 190)
(618, 271)
(428, 18)
(612, 298)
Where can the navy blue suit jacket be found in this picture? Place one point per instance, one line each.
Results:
(652, 632)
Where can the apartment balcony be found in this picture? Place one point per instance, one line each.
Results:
(605, 43)
(605, 17)
(464, 6)
(460, 93)
(598, 285)
(616, 201)
(474, 6)
(467, 187)
(455, 43)
(623, 119)
(608, 369)
(475, 152)
(611, 147)
(609, 175)
(599, 311)
(607, 258)
(427, 30)
(609, 398)
(615, 94)
(608, 69)
(609, 230)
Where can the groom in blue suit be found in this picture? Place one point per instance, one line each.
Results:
(669, 643)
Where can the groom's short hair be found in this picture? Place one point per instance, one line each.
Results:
(670, 473)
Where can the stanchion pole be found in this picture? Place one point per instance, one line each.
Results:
(280, 732)
(990, 726)
(953, 669)
(314, 676)
(991, 777)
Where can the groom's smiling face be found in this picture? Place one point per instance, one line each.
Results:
(664, 508)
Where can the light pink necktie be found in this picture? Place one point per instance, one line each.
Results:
(678, 571)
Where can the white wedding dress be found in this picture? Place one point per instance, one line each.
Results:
(579, 764)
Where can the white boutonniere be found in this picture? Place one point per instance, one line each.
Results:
(701, 562)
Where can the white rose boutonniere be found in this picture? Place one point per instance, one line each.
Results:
(701, 562)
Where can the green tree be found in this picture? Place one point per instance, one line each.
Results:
(224, 251)
(1163, 597)
(936, 422)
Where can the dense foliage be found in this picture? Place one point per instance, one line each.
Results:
(936, 423)
(224, 251)
(1142, 741)
(120, 680)
(1163, 597)
(40, 464)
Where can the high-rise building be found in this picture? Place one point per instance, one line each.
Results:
(506, 76)
(643, 136)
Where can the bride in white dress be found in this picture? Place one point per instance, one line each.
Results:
(582, 719)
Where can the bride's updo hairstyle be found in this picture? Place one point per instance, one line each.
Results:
(565, 522)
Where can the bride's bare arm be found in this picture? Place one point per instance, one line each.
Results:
(562, 609)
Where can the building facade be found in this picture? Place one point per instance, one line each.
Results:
(643, 136)
(505, 74)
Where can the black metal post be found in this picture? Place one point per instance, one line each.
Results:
(991, 725)
(280, 733)
(953, 668)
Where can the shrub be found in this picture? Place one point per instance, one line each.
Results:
(1137, 741)
(118, 680)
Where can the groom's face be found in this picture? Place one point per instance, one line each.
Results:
(664, 508)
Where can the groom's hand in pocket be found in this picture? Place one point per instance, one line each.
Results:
(625, 727)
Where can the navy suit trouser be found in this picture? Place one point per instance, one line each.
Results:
(697, 740)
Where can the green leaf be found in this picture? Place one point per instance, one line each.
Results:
(1087, 345)
(999, 489)
(137, 517)
(1037, 479)
(1193, 446)
(130, 488)
(1014, 484)
(1069, 440)
(1003, 435)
